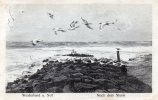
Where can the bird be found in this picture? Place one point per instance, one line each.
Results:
(118, 49)
(58, 29)
(87, 23)
(51, 15)
(35, 41)
(107, 23)
(11, 15)
(73, 25)
(100, 26)
(9, 23)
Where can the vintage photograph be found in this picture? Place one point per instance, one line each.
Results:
(79, 48)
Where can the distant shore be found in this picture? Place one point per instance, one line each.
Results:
(80, 75)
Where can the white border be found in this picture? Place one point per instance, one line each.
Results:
(80, 96)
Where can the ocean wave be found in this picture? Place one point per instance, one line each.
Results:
(77, 44)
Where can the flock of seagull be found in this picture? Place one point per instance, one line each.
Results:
(73, 25)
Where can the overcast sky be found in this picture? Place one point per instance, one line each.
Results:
(32, 22)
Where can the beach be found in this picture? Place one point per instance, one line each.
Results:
(25, 61)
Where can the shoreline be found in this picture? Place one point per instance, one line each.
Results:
(79, 76)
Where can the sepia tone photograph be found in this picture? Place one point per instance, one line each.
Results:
(79, 48)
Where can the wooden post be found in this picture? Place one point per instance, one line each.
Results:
(118, 54)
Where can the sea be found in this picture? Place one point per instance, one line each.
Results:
(23, 58)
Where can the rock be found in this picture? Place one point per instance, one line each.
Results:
(100, 91)
(54, 90)
(35, 82)
(94, 67)
(84, 66)
(66, 89)
(39, 88)
(89, 61)
(29, 89)
(60, 79)
(76, 80)
(71, 66)
(115, 91)
(100, 81)
(81, 87)
(34, 76)
(46, 60)
(87, 80)
(100, 71)
(9, 90)
(49, 76)
(87, 77)
(17, 81)
(77, 75)
(78, 69)
(79, 55)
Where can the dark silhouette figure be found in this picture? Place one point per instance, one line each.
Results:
(118, 54)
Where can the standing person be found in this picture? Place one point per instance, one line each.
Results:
(118, 54)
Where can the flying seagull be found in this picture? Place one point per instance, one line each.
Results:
(9, 24)
(100, 26)
(73, 25)
(11, 15)
(51, 15)
(35, 41)
(118, 49)
(87, 23)
(107, 23)
(58, 29)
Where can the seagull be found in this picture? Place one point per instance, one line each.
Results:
(108, 23)
(11, 15)
(118, 49)
(9, 23)
(86, 23)
(35, 41)
(58, 29)
(51, 15)
(100, 26)
(73, 25)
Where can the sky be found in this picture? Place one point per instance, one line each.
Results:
(132, 22)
